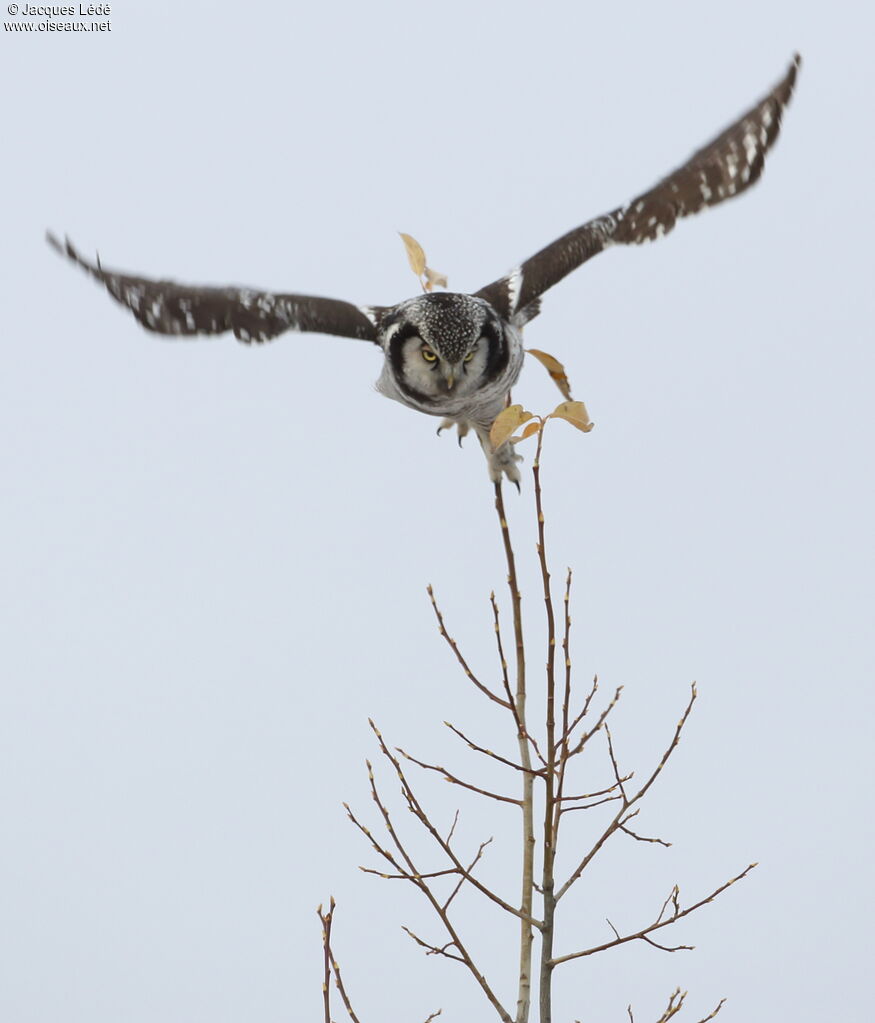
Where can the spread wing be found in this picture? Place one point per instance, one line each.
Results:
(723, 168)
(169, 308)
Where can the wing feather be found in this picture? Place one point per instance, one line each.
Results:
(725, 167)
(184, 310)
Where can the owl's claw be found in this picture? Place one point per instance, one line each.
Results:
(502, 462)
(461, 425)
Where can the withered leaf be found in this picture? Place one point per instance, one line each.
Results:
(434, 279)
(530, 430)
(415, 254)
(556, 370)
(573, 412)
(506, 422)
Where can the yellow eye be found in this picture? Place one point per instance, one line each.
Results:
(468, 357)
(428, 355)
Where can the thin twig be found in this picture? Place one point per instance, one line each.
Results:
(566, 733)
(417, 810)
(468, 871)
(592, 795)
(614, 763)
(657, 924)
(597, 727)
(434, 950)
(326, 919)
(417, 878)
(524, 994)
(621, 817)
(551, 806)
(588, 806)
(488, 752)
(464, 664)
(643, 838)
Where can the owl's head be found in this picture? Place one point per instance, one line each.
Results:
(443, 346)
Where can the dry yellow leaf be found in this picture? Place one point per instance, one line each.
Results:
(415, 254)
(530, 430)
(573, 412)
(434, 279)
(556, 370)
(506, 422)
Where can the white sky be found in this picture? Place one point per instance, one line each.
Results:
(215, 558)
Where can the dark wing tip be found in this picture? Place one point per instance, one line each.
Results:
(792, 72)
(68, 249)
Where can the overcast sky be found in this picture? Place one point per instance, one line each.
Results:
(215, 558)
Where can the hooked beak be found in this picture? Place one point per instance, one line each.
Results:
(449, 375)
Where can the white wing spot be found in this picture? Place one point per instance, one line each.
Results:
(369, 314)
(514, 287)
(750, 146)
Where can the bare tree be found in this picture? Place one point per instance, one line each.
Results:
(543, 777)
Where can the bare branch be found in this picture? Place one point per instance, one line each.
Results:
(672, 746)
(643, 934)
(505, 681)
(526, 940)
(467, 873)
(622, 818)
(642, 838)
(521, 731)
(711, 1015)
(375, 845)
(463, 663)
(488, 752)
(434, 950)
(452, 830)
(413, 878)
(566, 650)
(567, 731)
(331, 965)
(457, 781)
(675, 1004)
(592, 795)
(668, 948)
(584, 739)
(418, 878)
(417, 810)
(326, 948)
(588, 806)
(620, 780)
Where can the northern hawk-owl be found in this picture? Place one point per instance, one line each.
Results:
(458, 355)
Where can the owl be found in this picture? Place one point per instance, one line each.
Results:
(457, 356)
